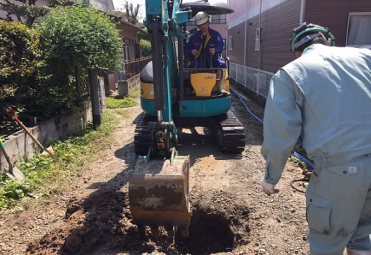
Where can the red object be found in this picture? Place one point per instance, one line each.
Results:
(11, 113)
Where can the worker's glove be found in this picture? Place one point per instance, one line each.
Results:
(268, 188)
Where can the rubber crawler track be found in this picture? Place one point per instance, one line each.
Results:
(227, 129)
(229, 132)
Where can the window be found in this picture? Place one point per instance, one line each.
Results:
(359, 25)
(218, 19)
(230, 42)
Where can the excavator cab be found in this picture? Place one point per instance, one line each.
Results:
(207, 82)
(159, 186)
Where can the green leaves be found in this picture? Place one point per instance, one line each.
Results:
(38, 65)
(19, 60)
(20, 52)
(146, 47)
(80, 36)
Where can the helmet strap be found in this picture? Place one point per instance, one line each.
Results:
(320, 32)
(307, 39)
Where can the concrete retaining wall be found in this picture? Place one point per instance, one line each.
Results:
(125, 86)
(20, 146)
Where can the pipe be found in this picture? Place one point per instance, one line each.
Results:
(181, 66)
(245, 39)
(302, 12)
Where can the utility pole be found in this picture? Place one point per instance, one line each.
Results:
(94, 95)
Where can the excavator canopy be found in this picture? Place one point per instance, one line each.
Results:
(211, 8)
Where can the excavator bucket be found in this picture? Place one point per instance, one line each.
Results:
(158, 192)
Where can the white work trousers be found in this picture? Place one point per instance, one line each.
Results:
(338, 201)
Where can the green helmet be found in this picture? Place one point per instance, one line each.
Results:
(306, 33)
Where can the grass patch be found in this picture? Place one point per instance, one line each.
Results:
(135, 93)
(44, 177)
(114, 103)
(300, 150)
(122, 112)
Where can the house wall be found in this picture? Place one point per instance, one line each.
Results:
(276, 18)
(334, 15)
(276, 24)
(254, 67)
(237, 51)
(130, 40)
(103, 5)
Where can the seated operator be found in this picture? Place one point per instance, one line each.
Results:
(205, 44)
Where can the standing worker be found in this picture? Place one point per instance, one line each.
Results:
(205, 44)
(323, 99)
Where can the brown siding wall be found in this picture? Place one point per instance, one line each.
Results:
(238, 34)
(277, 24)
(334, 15)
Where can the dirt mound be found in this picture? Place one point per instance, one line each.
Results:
(102, 223)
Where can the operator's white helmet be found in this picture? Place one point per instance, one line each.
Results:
(201, 18)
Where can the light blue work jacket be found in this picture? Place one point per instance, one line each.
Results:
(322, 99)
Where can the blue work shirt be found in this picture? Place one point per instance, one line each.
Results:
(202, 59)
(322, 98)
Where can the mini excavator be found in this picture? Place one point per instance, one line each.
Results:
(174, 96)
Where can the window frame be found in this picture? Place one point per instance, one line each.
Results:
(350, 15)
(219, 20)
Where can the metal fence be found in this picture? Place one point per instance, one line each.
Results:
(131, 68)
(254, 79)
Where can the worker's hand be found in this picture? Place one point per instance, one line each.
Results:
(268, 188)
(194, 52)
(212, 51)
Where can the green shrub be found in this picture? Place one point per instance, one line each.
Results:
(72, 38)
(79, 36)
(146, 47)
(144, 35)
(19, 59)
(39, 64)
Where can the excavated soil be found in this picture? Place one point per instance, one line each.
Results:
(230, 213)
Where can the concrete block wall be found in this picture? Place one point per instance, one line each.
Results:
(20, 146)
(125, 86)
